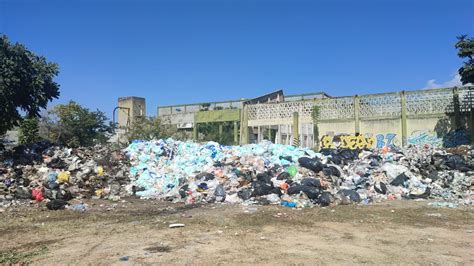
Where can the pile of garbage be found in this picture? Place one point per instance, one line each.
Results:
(268, 173)
(264, 173)
(46, 172)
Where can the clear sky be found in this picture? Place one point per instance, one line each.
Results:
(182, 51)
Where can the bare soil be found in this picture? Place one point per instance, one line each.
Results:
(398, 232)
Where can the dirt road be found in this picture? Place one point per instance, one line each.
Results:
(402, 232)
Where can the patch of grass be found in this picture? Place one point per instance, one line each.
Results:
(14, 257)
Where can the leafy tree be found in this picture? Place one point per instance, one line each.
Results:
(148, 128)
(73, 125)
(465, 48)
(29, 131)
(210, 132)
(26, 83)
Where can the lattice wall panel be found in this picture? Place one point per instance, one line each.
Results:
(336, 108)
(280, 111)
(386, 105)
(429, 102)
(371, 106)
(466, 99)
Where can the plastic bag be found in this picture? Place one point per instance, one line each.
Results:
(37, 194)
(63, 177)
(100, 171)
(311, 164)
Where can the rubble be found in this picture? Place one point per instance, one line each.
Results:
(268, 173)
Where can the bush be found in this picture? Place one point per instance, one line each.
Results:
(73, 125)
(29, 131)
(148, 128)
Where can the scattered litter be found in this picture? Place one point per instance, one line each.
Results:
(250, 210)
(124, 258)
(434, 215)
(443, 204)
(288, 204)
(280, 215)
(81, 207)
(176, 225)
(56, 204)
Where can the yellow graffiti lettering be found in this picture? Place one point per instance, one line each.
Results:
(351, 142)
(344, 142)
(326, 142)
(361, 142)
(371, 141)
(348, 142)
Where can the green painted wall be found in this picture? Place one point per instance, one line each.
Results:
(217, 116)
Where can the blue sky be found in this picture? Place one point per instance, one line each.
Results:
(182, 51)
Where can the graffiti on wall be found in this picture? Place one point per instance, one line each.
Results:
(425, 137)
(348, 141)
(387, 140)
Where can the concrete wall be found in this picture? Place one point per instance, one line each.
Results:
(421, 129)
(427, 124)
(336, 127)
(217, 116)
(428, 129)
(130, 108)
(379, 116)
(184, 120)
(196, 107)
(375, 127)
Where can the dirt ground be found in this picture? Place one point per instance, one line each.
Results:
(399, 232)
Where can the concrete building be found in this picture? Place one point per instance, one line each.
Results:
(319, 120)
(128, 109)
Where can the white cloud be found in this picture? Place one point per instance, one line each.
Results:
(454, 82)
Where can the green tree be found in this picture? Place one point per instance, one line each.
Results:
(148, 128)
(29, 131)
(26, 83)
(465, 48)
(210, 132)
(73, 125)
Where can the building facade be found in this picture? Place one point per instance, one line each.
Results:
(321, 121)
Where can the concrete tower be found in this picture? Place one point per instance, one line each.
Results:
(129, 108)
